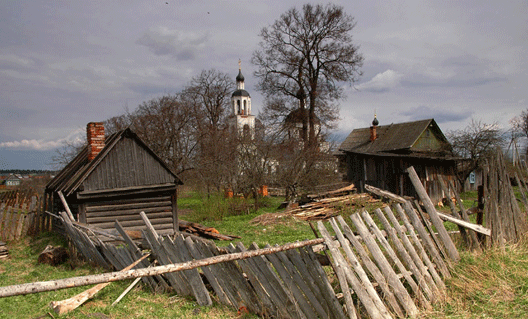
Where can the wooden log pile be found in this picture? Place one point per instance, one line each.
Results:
(326, 207)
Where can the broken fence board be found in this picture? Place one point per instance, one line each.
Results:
(372, 268)
(396, 260)
(340, 272)
(321, 280)
(265, 287)
(460, 222)
(178, 249)
(429, 207)
(429, 272)
(305, 284)
(416, 224)
(423, 281)
(364, 281)
(385, 267)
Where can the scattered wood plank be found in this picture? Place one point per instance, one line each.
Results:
(67, 305)
(474, 227)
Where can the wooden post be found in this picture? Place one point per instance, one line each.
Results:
(448, 243)
(66, 205)
(455, 214)
(472, 235)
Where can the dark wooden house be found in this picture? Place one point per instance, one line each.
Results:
(115, 178)
(379, 155)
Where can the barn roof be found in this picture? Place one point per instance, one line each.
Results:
(79, 169)
(393, 138)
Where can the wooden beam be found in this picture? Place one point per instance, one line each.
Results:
(41, 286)
(63, 200)
(460, 222)
(429, 207)
(383, 193)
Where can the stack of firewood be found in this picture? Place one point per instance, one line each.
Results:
(3, 250)
(327, 207)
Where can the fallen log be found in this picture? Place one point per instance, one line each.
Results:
(67, 305)
(41, 286)
(53, 255)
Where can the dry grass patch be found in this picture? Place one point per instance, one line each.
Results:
(490, 284)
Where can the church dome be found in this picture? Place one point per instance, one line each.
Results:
(240, 77)
(240, 92)
(375, 122)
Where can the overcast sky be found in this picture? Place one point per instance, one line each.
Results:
(66, 63)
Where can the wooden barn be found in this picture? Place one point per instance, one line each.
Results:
(115, 178)
(379, 155)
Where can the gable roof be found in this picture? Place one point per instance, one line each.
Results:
(393, 138)
(79, 169)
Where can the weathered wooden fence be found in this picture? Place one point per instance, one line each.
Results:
(384, 269)
(19, 218)
(388, 263)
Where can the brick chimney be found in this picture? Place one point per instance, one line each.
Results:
(373, 133)
(96, 138)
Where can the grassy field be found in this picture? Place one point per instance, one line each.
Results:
(490, 284)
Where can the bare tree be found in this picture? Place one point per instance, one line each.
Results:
(475, 143)
(209, 97)
(165, 125)
(305, 55)
(520, 126)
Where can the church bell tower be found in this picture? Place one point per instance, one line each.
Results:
(242, 121)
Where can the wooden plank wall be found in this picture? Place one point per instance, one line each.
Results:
(103, 214)
(127, 165)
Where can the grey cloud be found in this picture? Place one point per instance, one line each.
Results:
(423, 81)
(149, 89)
(181, 45)
(440, 115)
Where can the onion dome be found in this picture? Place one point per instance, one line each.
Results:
(375, 122)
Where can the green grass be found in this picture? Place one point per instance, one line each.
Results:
(490, 284)
(22, 267)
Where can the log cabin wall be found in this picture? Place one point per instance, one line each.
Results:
(125, 178)
(104, 213)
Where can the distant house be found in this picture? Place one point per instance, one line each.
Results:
(115, 178)
(379, 155)
(12, 181)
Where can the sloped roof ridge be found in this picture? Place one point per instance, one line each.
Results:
(391, 137)
(78, 169)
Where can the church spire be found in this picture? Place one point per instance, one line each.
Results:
(240, 77)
